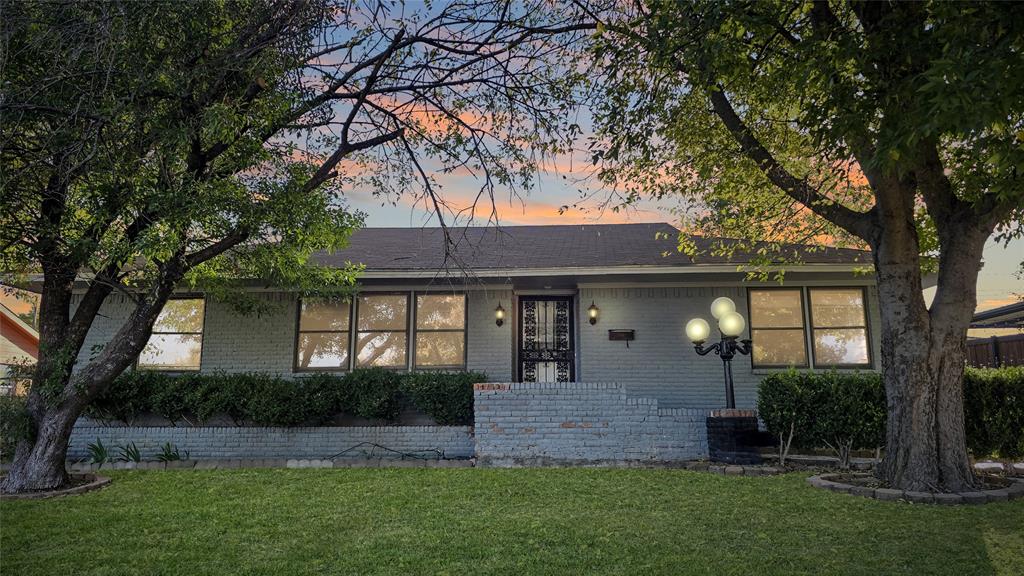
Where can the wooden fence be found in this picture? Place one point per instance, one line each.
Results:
(996, 351)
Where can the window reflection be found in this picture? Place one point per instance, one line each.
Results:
(382, 323)
(323, 339)
(440, 330)
(176, 342)
(777, 328)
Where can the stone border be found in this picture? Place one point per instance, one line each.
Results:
(734, 469)
(1013, 491)
(96, 483)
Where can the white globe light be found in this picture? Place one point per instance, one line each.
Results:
(722, 306)
(698, 330)
(732, 324)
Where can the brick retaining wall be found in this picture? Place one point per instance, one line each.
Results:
(579, 423)
(255, 442)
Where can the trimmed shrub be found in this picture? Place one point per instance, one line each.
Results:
(371, 393)
(447, 397)
(994, 411)
(267, 400)
(842, 412)
(14, 424)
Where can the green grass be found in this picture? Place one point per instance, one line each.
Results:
(480, 521)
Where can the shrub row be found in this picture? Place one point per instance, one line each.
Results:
(842, 412)
(994, 411)
(847, 412)
(267, 400)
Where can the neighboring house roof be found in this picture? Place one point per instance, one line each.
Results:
(549, 247)
(1005, 316)
(17, 336)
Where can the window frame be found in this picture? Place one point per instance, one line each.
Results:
(201, 333)
(299, 332)
(866, 327)
(415, 331)
(804, 320)
(356, 331)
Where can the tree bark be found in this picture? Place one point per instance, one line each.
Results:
(923, 354)
(39, 463)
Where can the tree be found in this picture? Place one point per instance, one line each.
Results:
(151, 146)
(898, 126)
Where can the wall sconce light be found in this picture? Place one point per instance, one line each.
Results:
(592, 313)
(499, 315)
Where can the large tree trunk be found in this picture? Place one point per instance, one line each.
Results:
(923, 354)
(39, 463)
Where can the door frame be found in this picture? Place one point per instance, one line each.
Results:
(517, 343)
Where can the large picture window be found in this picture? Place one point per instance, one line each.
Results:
(177, 339)
(839, 327)
(323, 336)
(382, 330)
(777, 328)
(440, 337)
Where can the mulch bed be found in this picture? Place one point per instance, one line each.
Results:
(77, 484)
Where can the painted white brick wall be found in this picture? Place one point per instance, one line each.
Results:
(488, 346)
(528, 424)
(661, 362)
(255, 442)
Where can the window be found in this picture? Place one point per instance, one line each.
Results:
(777, 328)
(839, 327)
(381, 330)
(323, 335)
(440, 330)
(177, 339)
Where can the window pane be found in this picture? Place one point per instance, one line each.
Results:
(324, 315)
(779, 347)
(835, 346)
(382, 312)
(775, 309)
(323, 350)
(172, 352)
(181, 315)
(440, 348)
(381, 349)
(440, 311)
(837, 307)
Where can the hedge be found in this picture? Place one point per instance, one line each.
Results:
(14, 424)
(842, 412)
(267, 400)
(847, 411)
(994, 411)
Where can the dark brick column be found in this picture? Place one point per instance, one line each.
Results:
(733, 437)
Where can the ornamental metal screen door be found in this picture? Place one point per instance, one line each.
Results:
(546, 348)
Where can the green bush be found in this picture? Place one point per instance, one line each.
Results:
(994, 411)
(14, 424)
(843, 412)
(447, 397)
(266, 400)
(371, 393)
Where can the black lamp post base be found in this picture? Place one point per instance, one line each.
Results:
(733, 437)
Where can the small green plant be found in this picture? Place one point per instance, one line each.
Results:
(130, 453)
(170, 453)
(98, 453)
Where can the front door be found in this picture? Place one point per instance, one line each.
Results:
(546, 343)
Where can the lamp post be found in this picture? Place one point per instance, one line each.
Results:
(731, 325)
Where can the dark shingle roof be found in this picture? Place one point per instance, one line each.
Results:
(527, 247)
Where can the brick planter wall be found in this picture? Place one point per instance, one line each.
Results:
(580, 423)
(255, 442)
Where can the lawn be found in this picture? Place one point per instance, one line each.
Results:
(480, 521)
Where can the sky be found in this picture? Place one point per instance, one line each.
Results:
(998, 282)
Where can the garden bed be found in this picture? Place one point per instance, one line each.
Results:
(992, 489)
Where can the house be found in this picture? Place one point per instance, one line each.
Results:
(603, 303)
(19, 345)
